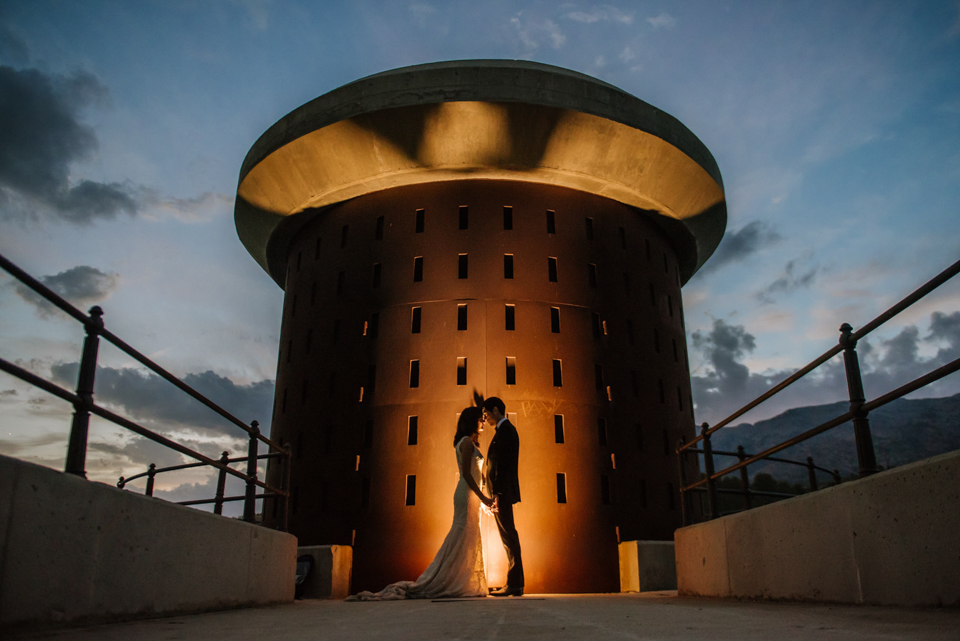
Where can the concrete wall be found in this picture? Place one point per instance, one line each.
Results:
(75, 550)
(647, 566)
(891, 538)
(332, 568)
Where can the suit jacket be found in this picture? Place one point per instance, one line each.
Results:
(500, 466)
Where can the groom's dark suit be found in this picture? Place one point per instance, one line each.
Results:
(500, 472)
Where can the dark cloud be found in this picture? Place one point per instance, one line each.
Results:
(41, 135)
(147, 397)
(739, 244)
(793, 277)
(82, 285)
(727, 384)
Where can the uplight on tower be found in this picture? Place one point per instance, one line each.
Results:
(501, 227)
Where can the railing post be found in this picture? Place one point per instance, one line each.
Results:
(287, 464)
(151, 472)
(866, 458)
(712, 503)
(77, 447)
(685, 507)
(744, 479)
(250, 500)
(812, 474)
(221, 484)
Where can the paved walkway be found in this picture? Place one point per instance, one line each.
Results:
(554, 617)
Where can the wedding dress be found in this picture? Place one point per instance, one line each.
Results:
(457, 569)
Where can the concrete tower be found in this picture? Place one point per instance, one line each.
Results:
(506, 228)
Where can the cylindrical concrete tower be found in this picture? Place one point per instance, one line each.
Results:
(500, 228)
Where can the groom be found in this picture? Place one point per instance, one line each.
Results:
(500, 475)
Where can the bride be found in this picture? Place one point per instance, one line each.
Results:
(457, 569)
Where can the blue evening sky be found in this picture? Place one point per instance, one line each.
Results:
(836, 126)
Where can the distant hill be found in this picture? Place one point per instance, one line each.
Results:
(903, 431)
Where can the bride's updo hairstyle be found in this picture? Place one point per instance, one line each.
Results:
(467, 424)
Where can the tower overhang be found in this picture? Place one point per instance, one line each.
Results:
(486, 119)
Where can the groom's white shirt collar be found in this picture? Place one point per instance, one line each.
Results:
(500, 422)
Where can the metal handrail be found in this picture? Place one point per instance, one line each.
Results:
(768, 458)
(84, 405)
(859, 407)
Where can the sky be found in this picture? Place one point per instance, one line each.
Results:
(123, 125)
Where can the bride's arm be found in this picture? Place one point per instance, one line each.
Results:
(466, 459)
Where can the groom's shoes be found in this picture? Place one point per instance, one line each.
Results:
(507, 591)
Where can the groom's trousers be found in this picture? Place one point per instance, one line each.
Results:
(511, 545)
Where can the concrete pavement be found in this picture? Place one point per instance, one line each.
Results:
(652, 615)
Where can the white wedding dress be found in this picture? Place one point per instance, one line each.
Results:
(457, 569)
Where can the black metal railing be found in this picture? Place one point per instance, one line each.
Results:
(859, 409)
(84, 405)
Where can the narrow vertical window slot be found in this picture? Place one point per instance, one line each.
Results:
(589, 224)
(411, 494)
(557, 373)
(417, 269)
(374, 324)
(343, 236)
(418, 226)
(679, 399)
(289, 349)
(377, 269)
(552, 269)
(508, 266)
(415, 373)
(341, 279)
(605, 489)
(293, 305)
(461, 370)
(413, 424)
(510, 317)
(461, 317)
(507, 218)
(666, 443)
(670, 305)
(464, 217)
(561, 487)
(415, 321)
(602, 431)
(598, 374)
(555, 320)
(378, 235)
(283, 402)
(371, 378)
(462, 266)
(511, 370)
(551, 222)
(595, 324)
(592, 274)
(558, 428)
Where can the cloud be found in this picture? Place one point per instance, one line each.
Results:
(529, 31)
(792, 278)
(12, 48)
(739, 244)
(30, 445)
(82, 285)
(41, 135)
(662, 21)
(146, 396)
(726, 383)
(601, 14)
(190, 210)
(256, 12)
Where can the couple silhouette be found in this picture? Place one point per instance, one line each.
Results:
(457, 569)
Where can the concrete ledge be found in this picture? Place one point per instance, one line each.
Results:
(75, 550)
(889, 539)
(647, 566)
(332, 571)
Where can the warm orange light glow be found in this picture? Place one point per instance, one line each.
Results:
(494, 558)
